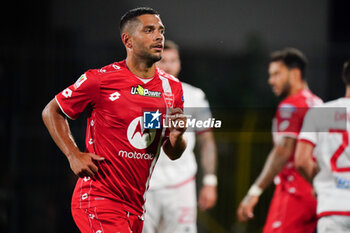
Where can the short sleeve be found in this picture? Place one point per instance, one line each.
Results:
(309, 129)
(83, 93)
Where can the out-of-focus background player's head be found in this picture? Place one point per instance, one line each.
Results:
(170, 61)
(142, 33)
(346, 72)
(287, 68)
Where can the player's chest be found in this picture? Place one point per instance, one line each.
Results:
(132, 99)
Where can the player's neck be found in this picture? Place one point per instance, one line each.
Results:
(298, 87)
(347, 91)
(140, 67)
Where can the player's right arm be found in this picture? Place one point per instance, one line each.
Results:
(275, 162)
(71, 102)
(57, 125)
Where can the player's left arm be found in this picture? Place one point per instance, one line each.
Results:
(208, 153)
(306, 166)
(176, 143)
(303, 159)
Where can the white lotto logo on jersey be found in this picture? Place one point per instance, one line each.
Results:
(139, 137)
(67, 92)
(114, 96)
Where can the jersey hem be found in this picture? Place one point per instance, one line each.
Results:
(328, 213)
(182, 183)
(107, 204)
(203, 131)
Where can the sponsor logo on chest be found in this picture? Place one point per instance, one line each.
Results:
(140, 138)
(139, 90)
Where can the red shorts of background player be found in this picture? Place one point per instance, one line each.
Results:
(291, 213)
(99, 220)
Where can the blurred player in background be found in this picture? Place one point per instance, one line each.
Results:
(325, 134)
(293, 206)
(120, 154)
(171, 204)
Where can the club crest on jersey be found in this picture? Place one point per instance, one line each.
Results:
(169, 99)
(139, 90)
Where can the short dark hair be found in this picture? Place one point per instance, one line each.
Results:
(292, 58)
(346, 72)
(133, 14)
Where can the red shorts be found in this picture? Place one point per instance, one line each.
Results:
(101, 220)
(291, 213)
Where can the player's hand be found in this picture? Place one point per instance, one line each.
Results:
(82, 164)
(246, 208)
(176, 144)
(207, 197)
(177, 121)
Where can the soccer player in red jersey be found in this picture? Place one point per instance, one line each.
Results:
(293, 206)
(121, 146)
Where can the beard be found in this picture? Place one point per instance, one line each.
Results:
(154, 58)
(285, 90)
(150, 58)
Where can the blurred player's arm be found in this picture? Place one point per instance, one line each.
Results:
(306, 166)
(58, 127)
(176, 143)
(303, 159)
(208, 153)
(275, 162)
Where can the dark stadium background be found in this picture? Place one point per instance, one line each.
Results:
(46, 45)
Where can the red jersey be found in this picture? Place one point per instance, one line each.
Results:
(293, 206)
(115, 100)
(288, 121)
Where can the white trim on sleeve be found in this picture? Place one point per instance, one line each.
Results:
(62, 109)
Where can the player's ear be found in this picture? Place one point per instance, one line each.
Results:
(126, 38)
(296, 74)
